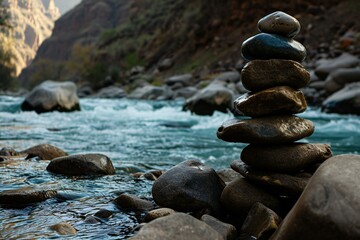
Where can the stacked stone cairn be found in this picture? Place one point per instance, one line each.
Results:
(274, 166)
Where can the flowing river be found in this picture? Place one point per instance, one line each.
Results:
(138, 136)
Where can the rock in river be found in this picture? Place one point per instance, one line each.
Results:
(44, 152)
(276, 100)
(240, 195)
(64, 228)
(266, 130)
(329, 206)
(177, 226)
(189, 186)
(285, 158)
(25, 195)
(279, 23)
(271, 46)
(262, 74)
(52, 96)
(82, 164)
(133, 203)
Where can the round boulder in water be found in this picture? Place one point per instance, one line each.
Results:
(262, 74)
(266, 130)
(44, 152)
(269, 46)
(279, 23)
(285, 158)
(25, 195)
(277, 100)
(189, 186)
(82, 164)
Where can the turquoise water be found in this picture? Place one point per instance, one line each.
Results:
(138, 136)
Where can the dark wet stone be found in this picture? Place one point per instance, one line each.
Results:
(227, 174)
(285, 158)
(271, 46)
(266, 130)
(133, 203)
(25, 195)
(91, 220)
(279, 23)
(262, 74)
(82, 164)
(189, 186)
(8, 152)
(64, 228)
(103, 213)
(226, 230)
(271, 101)
(44, 152)
(240, 195)
(330, 205)
(177, 226)
(283, 184)
(157, 213)
(345, 101)
(260, 223)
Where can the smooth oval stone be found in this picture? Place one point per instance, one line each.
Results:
(269, 46)
(44, 152)
(82, 164)
(25, 195)
(133, 203)
(158, 213)
(280, 23)
(277, 100)
(266, 130)
(64, 228)
(285, 158)
(240, 195)
(283, 184)
(262, 74)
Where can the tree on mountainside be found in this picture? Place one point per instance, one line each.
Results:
(7, 69)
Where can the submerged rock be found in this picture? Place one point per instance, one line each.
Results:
(52, 96)
(284, 184)
(133, 203)
(271, 46)
(262, 74)
(177, 226)
(25, 195)
(279, 23)
(330, 205)
(266, 130)
(82, 164)
(271, 101)
(189, 186)
(44, 152)
(64, 228)
(240, 195)
(285, 158)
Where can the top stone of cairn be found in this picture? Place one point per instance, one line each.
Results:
(279, 23)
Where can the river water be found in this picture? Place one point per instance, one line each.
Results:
(138, 136)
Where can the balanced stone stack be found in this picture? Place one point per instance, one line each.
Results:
(274, 76)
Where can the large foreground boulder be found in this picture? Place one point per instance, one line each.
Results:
(82, 164)
(329, 206)
(177, 226)
(345, 101)
(52, 96)
(189, 186)
(215, 97)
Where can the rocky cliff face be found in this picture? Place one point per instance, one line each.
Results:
(195, 36)
(32, 22)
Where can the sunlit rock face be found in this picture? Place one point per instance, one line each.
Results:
(32, 22)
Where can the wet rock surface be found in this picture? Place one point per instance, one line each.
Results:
(44, 152)
(25, 196)
(279, 23)
(133, 203)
